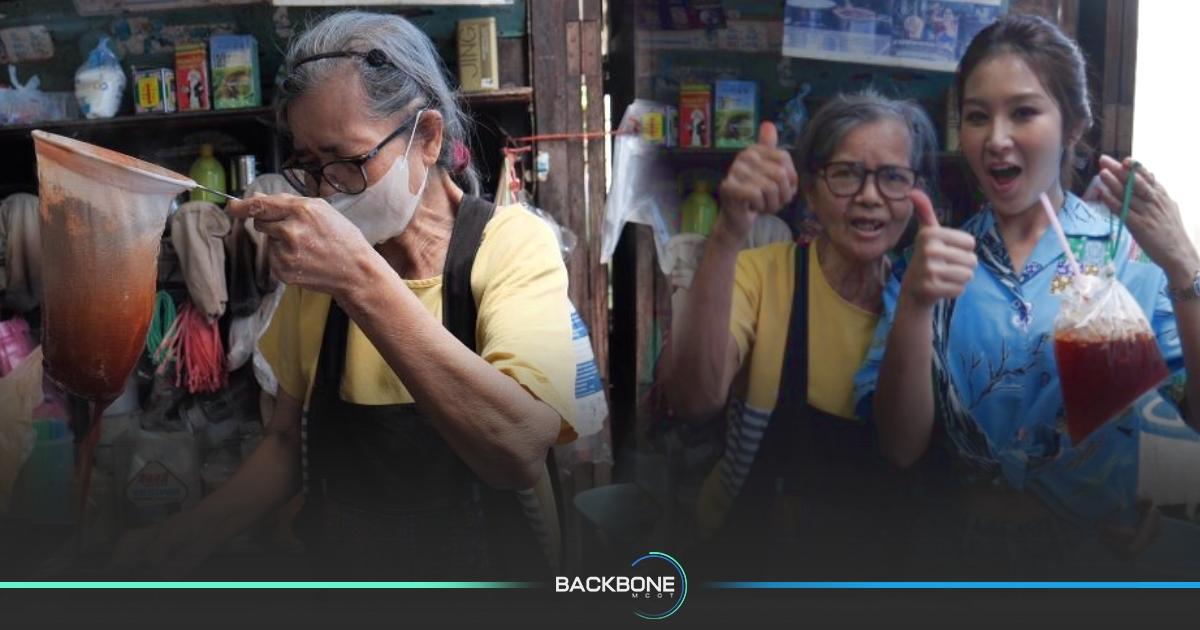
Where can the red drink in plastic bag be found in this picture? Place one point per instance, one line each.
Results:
(1101, 377)
(1106, 353)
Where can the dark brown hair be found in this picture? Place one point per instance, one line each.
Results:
(1056, 60)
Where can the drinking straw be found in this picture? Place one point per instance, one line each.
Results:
(1129, 181)
(1062, 236)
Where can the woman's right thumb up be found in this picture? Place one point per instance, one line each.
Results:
(767, 136)
(923, 208)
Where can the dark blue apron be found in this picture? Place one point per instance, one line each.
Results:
(819, 502)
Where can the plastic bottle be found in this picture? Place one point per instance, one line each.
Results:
(207, 171)
(699, 210)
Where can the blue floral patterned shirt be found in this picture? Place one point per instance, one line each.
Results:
(998, 392)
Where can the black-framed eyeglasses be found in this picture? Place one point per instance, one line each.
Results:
(846, 179)
(347, 175)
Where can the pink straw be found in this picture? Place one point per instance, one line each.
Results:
(1062, 236)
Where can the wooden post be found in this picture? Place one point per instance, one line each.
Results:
(566, 62)
(1109, 39)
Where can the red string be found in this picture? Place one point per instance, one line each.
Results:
(513, 151)
(567, 136)
(194, 342)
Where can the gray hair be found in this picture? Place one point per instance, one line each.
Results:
(415, 78)
(845, 112)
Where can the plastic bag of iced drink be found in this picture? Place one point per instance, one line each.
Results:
(1106, 352)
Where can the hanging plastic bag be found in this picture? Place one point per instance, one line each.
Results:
(637, 180)
(20, 393)
(591, 406)
(25, 104)
(793, 117)
(16, 343)
(1106, 352)
(99, 83)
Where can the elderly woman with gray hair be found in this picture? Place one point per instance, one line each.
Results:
(772, 337)
(423, 337)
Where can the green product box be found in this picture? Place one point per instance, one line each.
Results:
(235, 72)
(736, 114)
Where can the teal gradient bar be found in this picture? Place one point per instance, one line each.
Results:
(955, 585)
(269, 585)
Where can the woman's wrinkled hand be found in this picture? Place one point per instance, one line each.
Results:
(1154, 220)
(761, 180)
(309, 243)
(943, 259)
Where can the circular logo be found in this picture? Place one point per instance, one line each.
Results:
(664, 585)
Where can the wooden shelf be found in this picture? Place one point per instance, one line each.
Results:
(266, 115)
(702, 150)
(711, 156)
(704, 153)
(504, 96)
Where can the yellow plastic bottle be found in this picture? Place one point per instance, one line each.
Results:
(207, 171)
(699, 210)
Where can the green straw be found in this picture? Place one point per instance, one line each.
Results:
(1129, 181)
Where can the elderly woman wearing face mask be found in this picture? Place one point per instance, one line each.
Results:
(424, 335)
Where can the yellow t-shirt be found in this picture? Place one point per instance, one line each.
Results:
(523, 328)
(839, 334)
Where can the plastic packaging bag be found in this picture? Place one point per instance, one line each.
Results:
(158, 474)
(20, 393)
(633, 197)
(565, 237)
(99, 83)
(16, 343)
(25, 104)
(1106, 352)
(793, 117)
(591, 405)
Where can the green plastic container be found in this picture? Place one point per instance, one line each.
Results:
(699, 210)
(207, 171)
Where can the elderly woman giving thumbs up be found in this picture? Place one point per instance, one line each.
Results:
(790, 326)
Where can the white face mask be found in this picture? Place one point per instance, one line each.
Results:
(384, 208)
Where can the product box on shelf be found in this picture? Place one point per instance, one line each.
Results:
(191, 76)
(736, 116)
(478, 64)
(154, 90)
(695, 115)
(235, 73)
